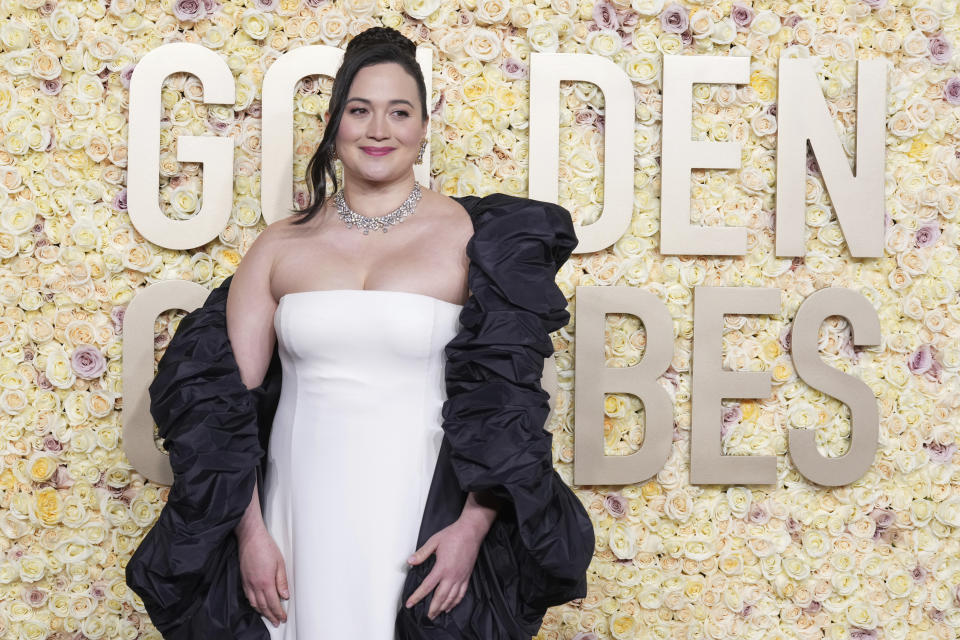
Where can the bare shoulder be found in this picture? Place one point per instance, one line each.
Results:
(450, 214)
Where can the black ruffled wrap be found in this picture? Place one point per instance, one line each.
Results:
(537, 551)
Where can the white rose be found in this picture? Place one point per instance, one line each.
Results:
(492, 11)
(481, 44)
(604, 42)
(647, 7)
(64, 25)
(256, 24)
(723, 32)
(420, 9)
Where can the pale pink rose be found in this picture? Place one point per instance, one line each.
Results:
(875, 4)
(35, 596)
(585, 117)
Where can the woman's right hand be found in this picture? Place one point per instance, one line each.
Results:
(264, 574)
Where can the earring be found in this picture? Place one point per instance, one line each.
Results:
(334, 156)
(423, 147)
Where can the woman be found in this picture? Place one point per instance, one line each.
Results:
(410, 417)
(316, 265)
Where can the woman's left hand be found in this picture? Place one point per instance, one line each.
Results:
(456, 547)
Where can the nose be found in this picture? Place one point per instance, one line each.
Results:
(377, 128)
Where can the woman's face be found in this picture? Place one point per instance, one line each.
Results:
(382, 126)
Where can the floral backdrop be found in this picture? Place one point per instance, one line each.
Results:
(876, 559)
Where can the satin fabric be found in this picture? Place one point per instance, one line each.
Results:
(216, 431)
(354, 442)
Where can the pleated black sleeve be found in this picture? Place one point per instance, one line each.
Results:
(537, 552)
(186, 569)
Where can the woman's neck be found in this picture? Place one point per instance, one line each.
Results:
(373, 199)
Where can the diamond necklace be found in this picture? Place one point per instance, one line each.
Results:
(351, 217)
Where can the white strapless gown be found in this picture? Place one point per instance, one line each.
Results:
(352, 451)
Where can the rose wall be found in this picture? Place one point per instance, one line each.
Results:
(879, 558)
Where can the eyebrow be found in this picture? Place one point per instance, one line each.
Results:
(407, 102)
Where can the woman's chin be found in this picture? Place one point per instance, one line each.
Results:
(381, 173)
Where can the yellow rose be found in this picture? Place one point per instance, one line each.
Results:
(42, 468)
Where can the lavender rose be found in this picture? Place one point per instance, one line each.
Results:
(921, 360)
(120, 200)
(674, 19)
(51, 87)
(883, 517)
(125, 74)
(88, 362)
(512, 69)
(940, 453)
(742, 15)
(116, 317)
(786, 337)
(758, 514)
(731, 416)
(616, 505)
(266, 5)
(875, 4)
(605, 15)
(856, 633)
(927, 236)
(940, 49)
(951, 90)
(189, 10)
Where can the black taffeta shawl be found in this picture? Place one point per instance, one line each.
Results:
(216, 431)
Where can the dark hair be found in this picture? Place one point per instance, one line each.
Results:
(372, 46)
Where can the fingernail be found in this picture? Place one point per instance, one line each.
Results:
(411, 558)
(409, 604)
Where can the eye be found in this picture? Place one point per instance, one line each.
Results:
(356, 109)
(402, 112)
